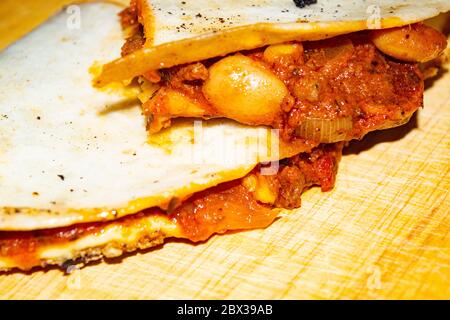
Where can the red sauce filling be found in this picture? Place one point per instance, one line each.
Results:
(331, 80)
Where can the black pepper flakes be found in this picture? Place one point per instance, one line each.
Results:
(61, 177)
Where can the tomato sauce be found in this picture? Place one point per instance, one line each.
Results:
(129, 19)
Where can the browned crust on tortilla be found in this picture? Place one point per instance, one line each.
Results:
(107, 251)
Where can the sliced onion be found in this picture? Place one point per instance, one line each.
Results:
(325, 130)
(332, 51)
(394, 123)
(338, 48)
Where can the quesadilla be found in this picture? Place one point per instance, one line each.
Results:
(80, 178)
(314, 72)
(246, 203)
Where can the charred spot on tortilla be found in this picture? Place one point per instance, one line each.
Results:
(304, 3)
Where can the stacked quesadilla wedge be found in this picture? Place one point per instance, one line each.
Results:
(215, 118)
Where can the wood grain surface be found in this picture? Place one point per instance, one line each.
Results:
(383, 232)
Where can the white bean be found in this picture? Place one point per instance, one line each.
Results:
(240, 88)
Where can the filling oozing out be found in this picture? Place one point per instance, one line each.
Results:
(247, 203)
(326, 91)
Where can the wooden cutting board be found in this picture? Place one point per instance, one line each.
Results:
(383, 232)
